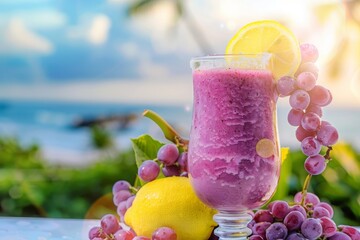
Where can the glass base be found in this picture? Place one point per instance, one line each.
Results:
(232, 225)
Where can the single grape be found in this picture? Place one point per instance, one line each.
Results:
(255, 237)
(121, 210)
(124, 235)
(319, 212)
(263, 216)
(109, 224)
(321, 96)
(171, 170)
(120, 196)
(168, 154)
(328, 226)
(301, 133)
(296, 236)
(276, 231)
(120, 185)
(183, 161)
(298, 197)
(285, 86)
(340, 236)
(309, 198)
(311, 228)
(293, 220)
(310, 146)
(327, 135)
(164, 233)
(299, 99)
(306, 81)
(352, 232)
(184, 174)
(280, 209)
(130, 201)
(327, 207)
(300, 209)
(311, 121)
(148, 170)
(315, 109)
(95, 232)
(308, 67)
(309, 52)
(295, 116)
(260, 228)
(315, 165)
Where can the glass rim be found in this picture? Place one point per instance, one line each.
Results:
(212, 57)
(236, 61)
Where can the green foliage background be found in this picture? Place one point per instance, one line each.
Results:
(31, 187)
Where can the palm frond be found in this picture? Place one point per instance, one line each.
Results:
(139, 5)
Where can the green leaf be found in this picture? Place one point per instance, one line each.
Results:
(145, 148)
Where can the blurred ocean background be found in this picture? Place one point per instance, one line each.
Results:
(52, 125)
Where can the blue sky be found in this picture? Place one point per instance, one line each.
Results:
(89, 50)
(83, 50)
(67, 41)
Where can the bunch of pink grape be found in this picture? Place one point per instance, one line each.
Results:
(311, 219)
(307, 99)
(169, 161)
(307, 218)
(172, 163)
(113, 227)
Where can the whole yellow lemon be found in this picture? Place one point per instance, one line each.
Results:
(170, 202)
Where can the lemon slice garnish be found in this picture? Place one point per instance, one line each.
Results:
(268, 37)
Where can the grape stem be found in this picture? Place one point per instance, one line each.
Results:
(304, 190)
(327, 154)
(169, 132)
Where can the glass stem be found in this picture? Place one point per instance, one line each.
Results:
(232, 225)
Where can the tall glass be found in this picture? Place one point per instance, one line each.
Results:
(234, 162)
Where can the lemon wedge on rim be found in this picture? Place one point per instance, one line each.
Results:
(268, 36)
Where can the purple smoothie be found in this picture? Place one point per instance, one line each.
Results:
(233, 110)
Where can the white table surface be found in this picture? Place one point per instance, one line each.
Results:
(19, 228)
